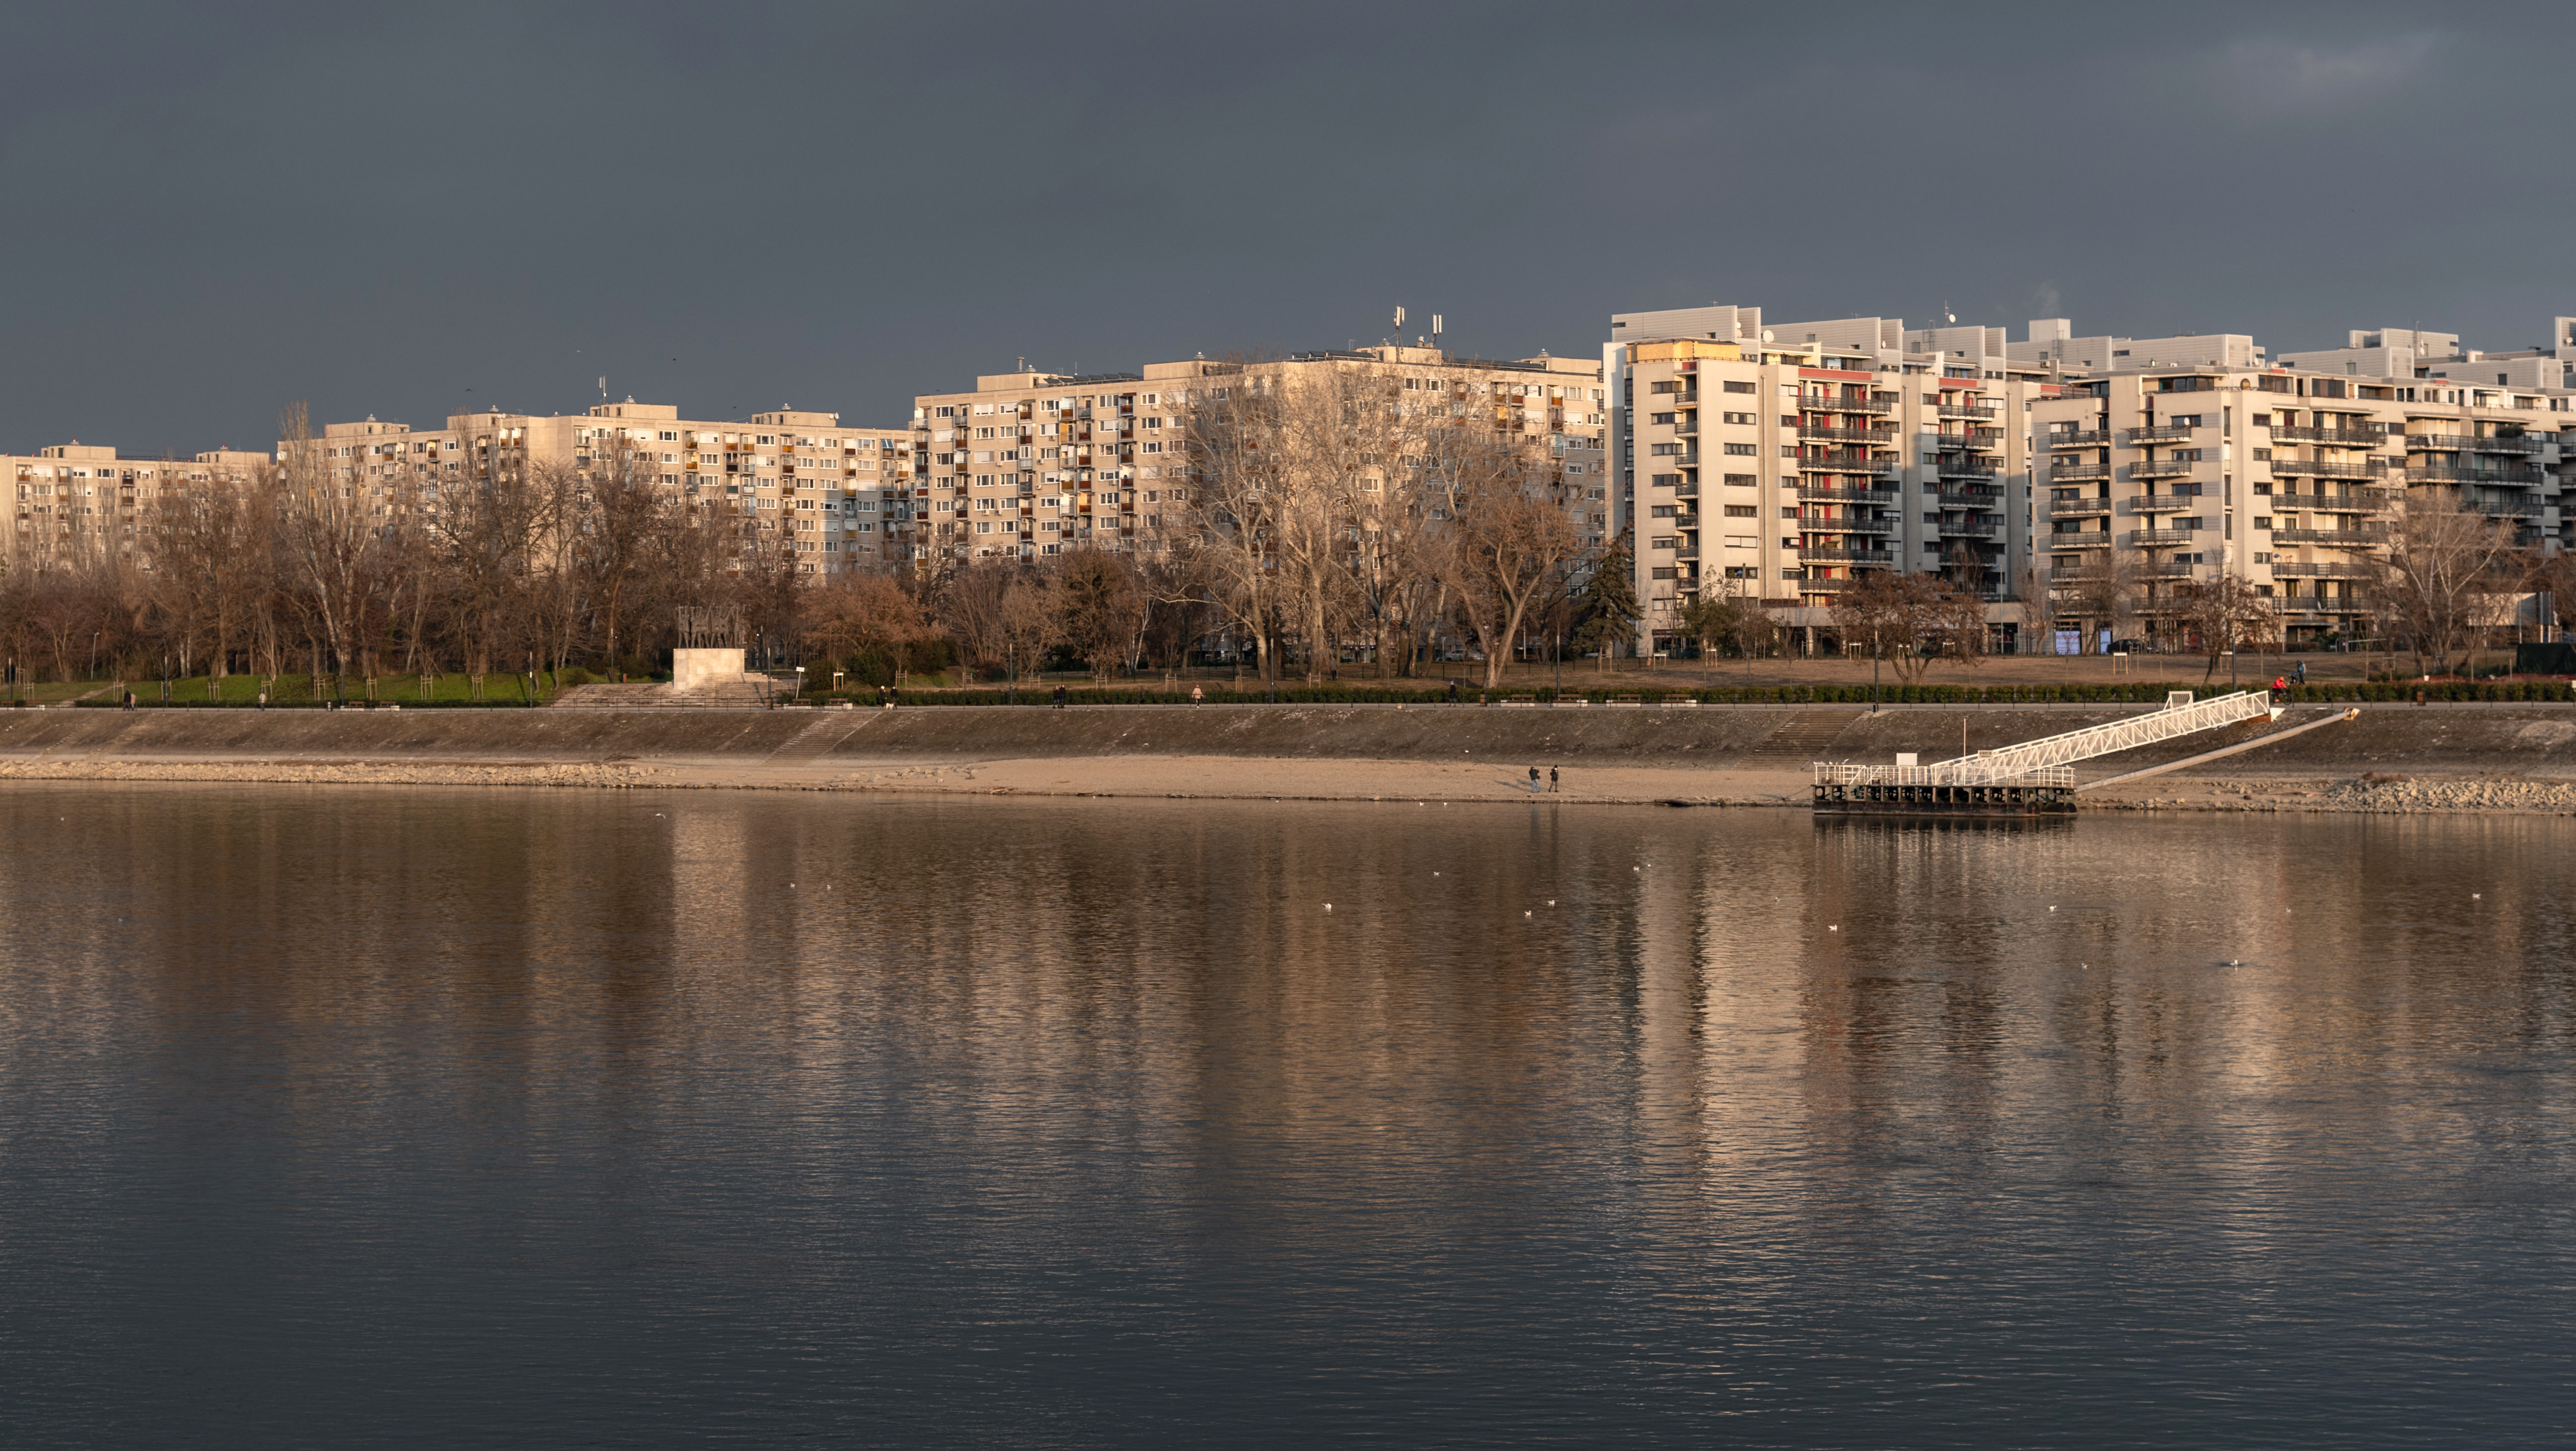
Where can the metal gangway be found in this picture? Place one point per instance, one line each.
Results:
(2046, 761)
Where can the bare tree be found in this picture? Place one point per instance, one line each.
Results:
(2104, 591)
(2442, 571)
(328, 539)
(2226, 612)
(1509, 540)
(1910, 620)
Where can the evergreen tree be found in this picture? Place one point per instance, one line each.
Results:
(1605, 613)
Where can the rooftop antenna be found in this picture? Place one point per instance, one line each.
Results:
(603, 387)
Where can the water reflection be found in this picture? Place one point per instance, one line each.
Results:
(588, 1116)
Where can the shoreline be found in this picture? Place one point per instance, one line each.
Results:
(2485, 757)
(1235, 778)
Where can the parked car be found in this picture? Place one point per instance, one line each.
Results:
(2133, 647)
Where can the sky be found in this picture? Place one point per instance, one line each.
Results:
(215, 211)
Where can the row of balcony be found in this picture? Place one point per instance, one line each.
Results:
(2075, 438)
(1884, 437)
(2368, 435)
(2466, 443)
(2470, 474)
(2330, 468)
(2166, 433)
(2336, 569)
(1819, 403)
(1831, 555)
(1841, 463)
(1966, 410)
(2359, 501)
(1829, 494)
(2333, 538)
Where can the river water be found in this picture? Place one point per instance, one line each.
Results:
(349, 1116)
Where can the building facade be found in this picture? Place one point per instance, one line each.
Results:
(1777, 463)
(1034, 463)
(829, 495)
(79, 505)
(2290, 479)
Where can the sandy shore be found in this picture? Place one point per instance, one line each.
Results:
(1236, 778)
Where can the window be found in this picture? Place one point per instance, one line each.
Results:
(1741, 511)
(2262, 521)
(1661, 511)
(1739, 481)
(1788, 511)
(1744, 418)
(1659, 418)
(1732, 386)
(1740, 450)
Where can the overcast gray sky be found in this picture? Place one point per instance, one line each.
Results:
(215, 210)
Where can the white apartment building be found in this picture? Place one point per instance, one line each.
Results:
(2413, 353)
(832, 496)
(80, 504)
(2289, 478)
(1033, 463)
(1777, 461)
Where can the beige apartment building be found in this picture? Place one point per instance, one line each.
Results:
(79, 504)
(1779, 462)
(831, 496)
(1032, 463)
(2288, 477)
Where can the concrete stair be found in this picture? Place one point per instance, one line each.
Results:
(1805, 734)
(743, 693)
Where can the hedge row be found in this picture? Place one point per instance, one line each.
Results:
(2152, 693)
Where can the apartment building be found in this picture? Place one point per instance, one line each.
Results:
(1779, 462)
(79, 504)
(2287, 477)
(832, 496)
(2413, 353)
(1033, 463)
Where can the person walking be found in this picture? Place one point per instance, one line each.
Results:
(1551, 779)
(1197, 696)
(2299, 672)
(1059, 697)
(1533, 780)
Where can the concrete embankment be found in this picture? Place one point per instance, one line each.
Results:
(1748, 754)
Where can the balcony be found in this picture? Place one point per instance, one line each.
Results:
(1974, 440)
(2074, 541)
(1845, 464)
(2368, 436)
(2164, 571)
(2503, 508)
(1830, 555)
(1828, 494)
(2337, 569)
(1968, 410)
(2470, 474)
(1968, 468)
(2077, 508)
(1822, 433)
(2168, 433)
(1853, 525)
(1818, 403)
(1972, 498)
(2333, 538)
(2464, 443)
(2076, 438)
(2358, 501)
(1971, 529)
(2071, 473)
(2160, 468)
(2161, 503)
(2158, 538)
(2327, 468)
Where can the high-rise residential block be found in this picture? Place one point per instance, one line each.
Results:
(1033, 463)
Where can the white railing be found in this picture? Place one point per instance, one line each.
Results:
(2027, 762)
(1843, 773)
